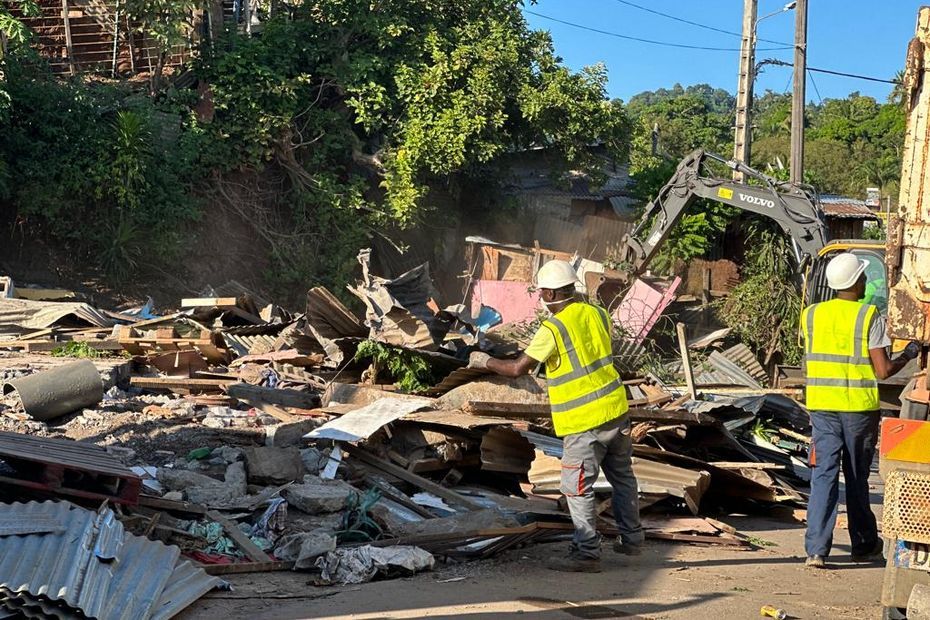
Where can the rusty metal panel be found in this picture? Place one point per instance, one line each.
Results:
(908, 246)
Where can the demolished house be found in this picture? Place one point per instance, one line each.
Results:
(232, 435)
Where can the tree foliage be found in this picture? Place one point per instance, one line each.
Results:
(328, 126)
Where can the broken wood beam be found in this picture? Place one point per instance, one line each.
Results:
(745, 465)
(180, 383)
(245, 567)
(209, 302)
(242, 541)
(686, 360)
(273, 396)
(681, 416)
(407, 476)
(530, 411)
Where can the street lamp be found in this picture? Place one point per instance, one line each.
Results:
(783, 9)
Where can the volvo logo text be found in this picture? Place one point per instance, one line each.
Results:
(762, 202)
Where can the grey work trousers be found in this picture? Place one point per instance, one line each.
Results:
(610, 447)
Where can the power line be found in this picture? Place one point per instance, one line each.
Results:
(651, 41)
(816, 90)
(782, 63)
(687, 21)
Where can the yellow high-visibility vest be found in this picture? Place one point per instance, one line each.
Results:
(585, 390)
(840, 376)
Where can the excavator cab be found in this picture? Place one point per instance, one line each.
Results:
(873, 252)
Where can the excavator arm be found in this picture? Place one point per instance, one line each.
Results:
(794, 207)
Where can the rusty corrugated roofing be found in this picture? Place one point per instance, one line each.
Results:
(846, 208)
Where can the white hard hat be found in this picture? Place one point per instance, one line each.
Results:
(555, 274)
(843, 270)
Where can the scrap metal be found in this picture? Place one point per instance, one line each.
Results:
(94, 567)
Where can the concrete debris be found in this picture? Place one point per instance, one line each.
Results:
(313, 460)
(273, 465)
(315, 495)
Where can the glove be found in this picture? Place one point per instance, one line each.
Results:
(478, 360)
(911, 351)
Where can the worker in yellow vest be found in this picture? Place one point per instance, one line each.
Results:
(589, 411)
(846, 352)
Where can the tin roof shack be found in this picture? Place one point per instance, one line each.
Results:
(568, 212)
(846, 217)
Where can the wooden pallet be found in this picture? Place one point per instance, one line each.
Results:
(165, 339)
(65, 467)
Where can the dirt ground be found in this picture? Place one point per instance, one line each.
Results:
(669, 581)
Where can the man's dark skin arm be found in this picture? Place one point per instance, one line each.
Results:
(523, 365)
(885, 366)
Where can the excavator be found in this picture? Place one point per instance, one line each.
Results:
(794, 207)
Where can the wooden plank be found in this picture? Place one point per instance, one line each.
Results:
(698, 539)
(281, 397)
(245, 567)
(208, 302)
(69, 44)
(746, 465)
(674, 416)
(418, 481)
(686, 360)
(242, 541)
(403, 500)
(530, 411)
(275, 412)
(171, 505)
(179, 383)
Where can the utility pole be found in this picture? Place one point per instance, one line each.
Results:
(747, 65)
(798, 97)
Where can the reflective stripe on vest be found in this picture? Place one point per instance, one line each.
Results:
(840, 376)
(585, 390)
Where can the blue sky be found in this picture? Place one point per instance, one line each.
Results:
(853, 36)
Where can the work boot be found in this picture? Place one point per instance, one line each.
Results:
(574, 562)
(869, 555)
(627, 548)
(815, 561)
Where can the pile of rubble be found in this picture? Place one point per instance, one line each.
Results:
(250, 438)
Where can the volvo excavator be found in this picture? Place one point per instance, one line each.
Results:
(794, 207)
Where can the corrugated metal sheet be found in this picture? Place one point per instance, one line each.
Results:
(330, 317)
(77, 454)
(844, 207)
(95, 566)
(18, 316)
(747, 360)
(732, 369)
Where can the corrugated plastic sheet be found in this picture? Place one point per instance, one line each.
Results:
(95, 566)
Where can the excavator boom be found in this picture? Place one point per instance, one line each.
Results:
(794, 207)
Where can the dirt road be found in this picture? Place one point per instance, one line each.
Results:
(669, 581)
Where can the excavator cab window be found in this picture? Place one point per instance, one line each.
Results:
(876, 288)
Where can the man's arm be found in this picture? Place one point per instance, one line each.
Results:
(523, 365)
(885, 366)
(879, 343)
